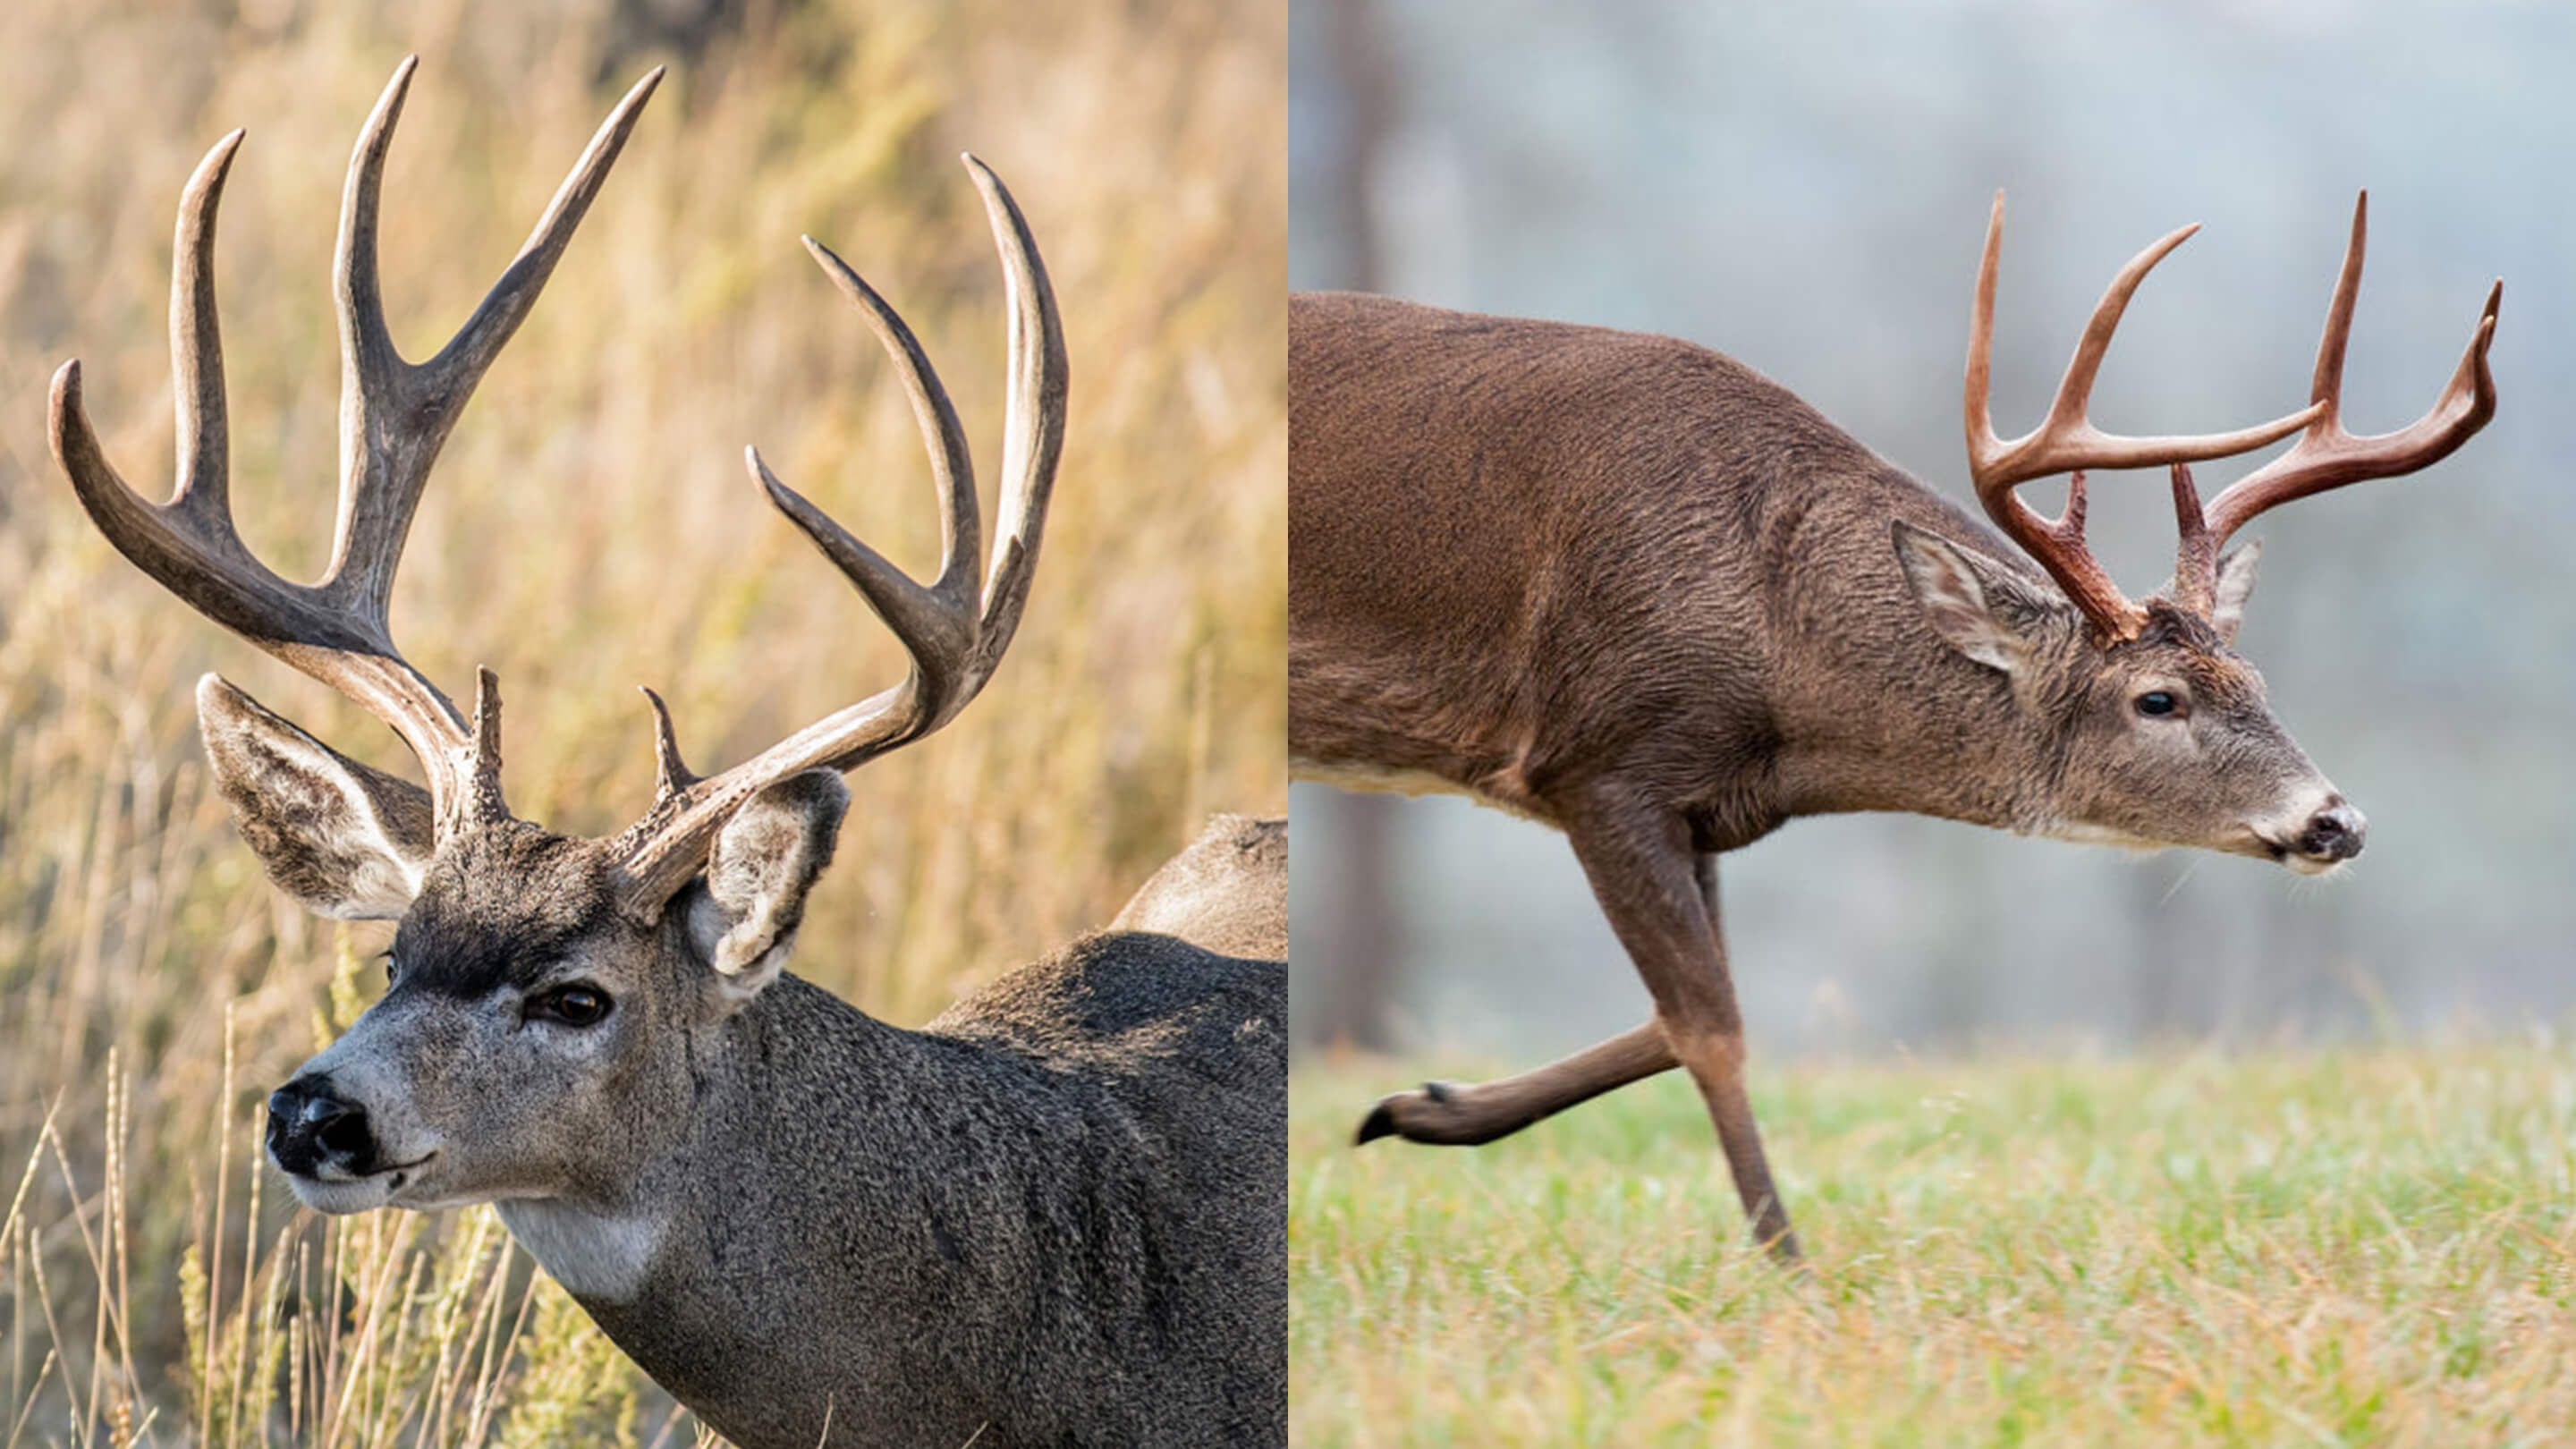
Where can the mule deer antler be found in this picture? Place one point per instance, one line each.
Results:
(953, 630)
(393, 417)
(2327, 457)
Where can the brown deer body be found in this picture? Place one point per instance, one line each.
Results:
(1630, 588)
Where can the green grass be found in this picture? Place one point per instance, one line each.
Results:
(2334, 1247)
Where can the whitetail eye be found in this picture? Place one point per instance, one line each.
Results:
(2159, 703)
(571, 1005)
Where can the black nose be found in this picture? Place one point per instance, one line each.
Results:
(310, 1124)
(2333, 833)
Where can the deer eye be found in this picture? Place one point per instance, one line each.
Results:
(571, 1005)
(2159, 704)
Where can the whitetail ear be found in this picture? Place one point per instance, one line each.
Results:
(1961, 601)
(341, 838)
(2235, 586)
(768, 855)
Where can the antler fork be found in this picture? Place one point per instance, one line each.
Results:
(394, 415)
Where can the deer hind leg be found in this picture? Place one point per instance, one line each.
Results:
(1661, 898)
(1453, 1114)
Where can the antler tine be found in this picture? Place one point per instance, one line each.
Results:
(953, 631)
(393, 418)
(2328, 457)
(1033, 437)
(2066, 439)
(395, 415)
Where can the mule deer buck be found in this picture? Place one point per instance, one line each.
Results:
(1055, 1215)
(1632, 589)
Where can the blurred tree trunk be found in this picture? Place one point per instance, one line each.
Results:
(1352, 959)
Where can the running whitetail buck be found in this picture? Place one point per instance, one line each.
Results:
(1632, 589)
(1055, 1215)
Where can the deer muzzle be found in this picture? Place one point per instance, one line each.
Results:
(315, 1133)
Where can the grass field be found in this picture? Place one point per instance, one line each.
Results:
(588, 529)
(2296, 1247)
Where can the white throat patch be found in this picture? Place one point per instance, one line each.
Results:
(597, 1257)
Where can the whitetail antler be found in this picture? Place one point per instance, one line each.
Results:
(394, 415)
(2067, 440)
(954, 632)
(2326, 456)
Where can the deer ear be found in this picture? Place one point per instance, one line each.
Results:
(1962, 602)
(768, 855)
(2235, 586)
(342, 839)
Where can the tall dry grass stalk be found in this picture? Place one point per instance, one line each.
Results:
(589, 529)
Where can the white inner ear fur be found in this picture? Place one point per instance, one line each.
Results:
(764, 861)
(383, 879)
(1954, 600)
(722, 942)
(2235, 586)
(314, 825)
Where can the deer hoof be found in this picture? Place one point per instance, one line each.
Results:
(1389, 1118)
(1380, 1122)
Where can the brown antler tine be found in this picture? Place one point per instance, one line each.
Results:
(2327, 456)
(458, 366)
(2326, 388)
(1980, 421)
(2196, 557)
(189, 545)
(483, 804)
(1033, 431)
(395, 416)
(672, 773)
(2071, 410)
(952, 464)
(204, 493)
(935, 632)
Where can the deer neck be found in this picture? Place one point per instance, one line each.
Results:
(1876, 713)
(731, 1271)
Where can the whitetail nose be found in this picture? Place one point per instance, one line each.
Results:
(2333, 833)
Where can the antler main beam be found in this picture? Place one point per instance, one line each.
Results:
(394, 416)
(953, 630)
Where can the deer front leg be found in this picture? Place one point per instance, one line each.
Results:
(1453, 1114)
(1661, 897)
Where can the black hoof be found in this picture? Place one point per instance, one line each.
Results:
(1379, 1123)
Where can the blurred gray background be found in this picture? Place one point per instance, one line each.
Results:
(1804, 187)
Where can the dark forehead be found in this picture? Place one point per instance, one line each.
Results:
(2183, 641)
(498, 907)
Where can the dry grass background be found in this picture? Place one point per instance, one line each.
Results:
(589, 529)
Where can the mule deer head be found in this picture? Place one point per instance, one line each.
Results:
(541, 984)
